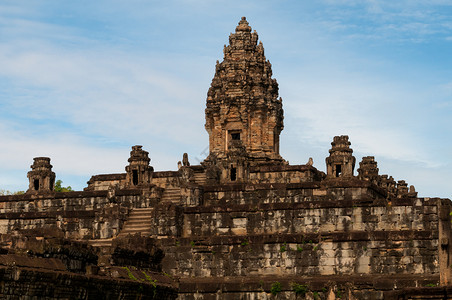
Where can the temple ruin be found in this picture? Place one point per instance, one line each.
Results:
(243, 224)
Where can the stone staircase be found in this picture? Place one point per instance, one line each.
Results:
(139, 221)
(200, 178)
(171, 195)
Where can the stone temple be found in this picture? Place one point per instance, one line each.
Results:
(244, 224)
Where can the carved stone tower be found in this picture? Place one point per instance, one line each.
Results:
(243, 113)
(341, 162)
(368, 170)
(41, 178)
(139, 172)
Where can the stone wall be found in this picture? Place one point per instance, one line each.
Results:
(27, 283)
(321, 216)
(308, 238)
(293, 235)
(247, 237)
(105, 182)
(75, 215)
(317, 288)
(284, 174)
(304, 255)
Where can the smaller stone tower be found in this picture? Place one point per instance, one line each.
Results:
(139, 172)
(341, 162)
(368, 170)
(41, 178)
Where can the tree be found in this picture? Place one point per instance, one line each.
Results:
(6, 193)
(59, 188)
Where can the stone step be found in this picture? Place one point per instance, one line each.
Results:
(137, 227)
(142, 209)
(100, 242)
(172, 193)
(141, 212)
(143, 233)
(147, 220)
(143, 230)
(200, 177)
(148, 223)
(137, 217)
(140, 218)
(171, 199)
(139, 221)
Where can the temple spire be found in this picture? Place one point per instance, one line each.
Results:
(243, 26)
(243, 109)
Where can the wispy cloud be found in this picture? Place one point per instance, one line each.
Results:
(83, 83)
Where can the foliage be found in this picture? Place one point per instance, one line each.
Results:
(275, 288)
(59, 188)
(299, 249)
(244, 243)
(129, 273)
(6, 193)
(283, 248)
(168, 275)
(149, 278)
(299, 289)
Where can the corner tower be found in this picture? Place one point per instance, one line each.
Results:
(41, 178)
(341, 161)
(139, 172)
(243, 110)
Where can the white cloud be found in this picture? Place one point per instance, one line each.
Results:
(85, 91)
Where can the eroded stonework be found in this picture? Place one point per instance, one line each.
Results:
(244, 114)
(244, 224)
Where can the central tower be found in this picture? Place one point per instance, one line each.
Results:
(244, 115)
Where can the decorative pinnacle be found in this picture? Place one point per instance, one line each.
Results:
(243, 26)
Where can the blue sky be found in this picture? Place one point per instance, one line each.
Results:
(83, 81)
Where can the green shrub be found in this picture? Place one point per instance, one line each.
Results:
(299, 289)
(283, 248)
(276, 288)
